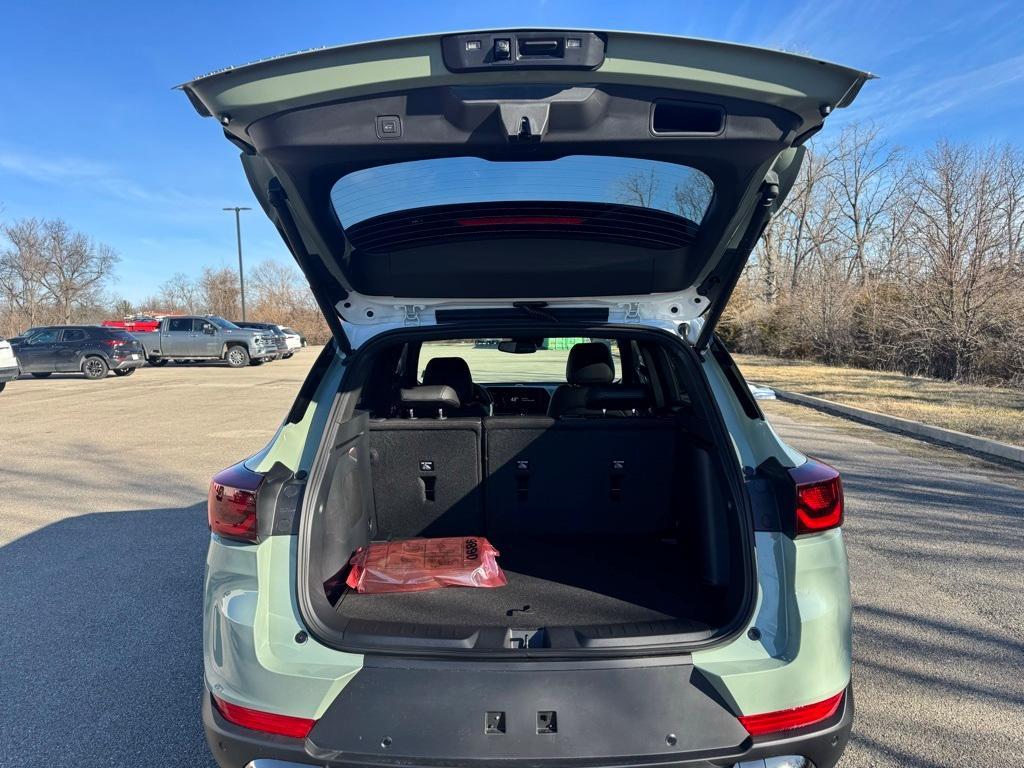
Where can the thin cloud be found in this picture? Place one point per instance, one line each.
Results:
(98, 177)
(738, 25)
(915, 98)
(806, 22)
(48, 170)
(938, 72)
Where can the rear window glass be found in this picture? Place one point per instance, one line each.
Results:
(668, 187)
(220, 322)
(122, 335)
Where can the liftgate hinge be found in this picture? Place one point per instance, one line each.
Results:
(411, 313)
(632, 311)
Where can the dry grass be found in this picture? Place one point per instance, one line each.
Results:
(992, 412)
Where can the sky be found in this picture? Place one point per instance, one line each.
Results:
(91, 129)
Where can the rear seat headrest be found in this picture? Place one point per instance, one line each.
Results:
(590, 363)
(453, 371)
(429, 396)
(618, 397)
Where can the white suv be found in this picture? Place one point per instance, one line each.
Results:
(8, 364)
(677, 589)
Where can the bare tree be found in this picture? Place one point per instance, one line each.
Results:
(639, 188)
(692, 196)
(219, 292)
(276, 287)
(1011, 204)
(22, 267)
(968, 278)
(180, 293)
(123, 308)
(807, 223)
(51, 273)
(868, 179)
(914, 266)
(280, 295)
(76, 268)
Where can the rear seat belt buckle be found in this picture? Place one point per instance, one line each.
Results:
(522, 479)
(618, 471)
(428, 481)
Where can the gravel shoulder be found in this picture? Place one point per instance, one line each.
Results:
(993, 412)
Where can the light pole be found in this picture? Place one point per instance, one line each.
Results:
(238, 235)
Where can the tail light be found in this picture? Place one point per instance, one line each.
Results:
(112, 342)
(231, 505)
(788, 719)
(819, 497)
(268, 722)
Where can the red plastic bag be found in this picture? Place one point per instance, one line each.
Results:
(415, 565)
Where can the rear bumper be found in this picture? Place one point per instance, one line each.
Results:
(784, 761)
(125, 363)
(817, 747)
(8, 374)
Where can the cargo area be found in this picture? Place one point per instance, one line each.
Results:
(615, 524)
(578, 582)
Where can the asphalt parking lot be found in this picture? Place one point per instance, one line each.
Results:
(103, 536)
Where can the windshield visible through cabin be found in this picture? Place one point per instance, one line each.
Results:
(490, 365)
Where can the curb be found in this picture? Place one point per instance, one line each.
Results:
(949, 437)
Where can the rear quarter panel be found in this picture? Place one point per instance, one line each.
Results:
(250, 615)
(251, 653)
(801, 650)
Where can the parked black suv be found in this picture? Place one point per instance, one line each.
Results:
(280, 342)
(90, 349)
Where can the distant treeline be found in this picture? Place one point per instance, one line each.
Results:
(274, 293)
(51, 274)
(883, 259)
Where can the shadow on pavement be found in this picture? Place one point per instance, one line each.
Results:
(101, 641)
(935, 559)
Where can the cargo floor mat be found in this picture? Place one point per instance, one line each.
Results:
(553, 583)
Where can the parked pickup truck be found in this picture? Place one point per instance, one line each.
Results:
(207, 338)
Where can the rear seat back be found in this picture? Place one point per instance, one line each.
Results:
(589, 476)
(427, 476)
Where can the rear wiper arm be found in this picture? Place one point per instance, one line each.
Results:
(536, 309)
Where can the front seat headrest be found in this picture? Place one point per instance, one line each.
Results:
(590, 363)
(439, 396)
(618, 397)
(452, 371)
